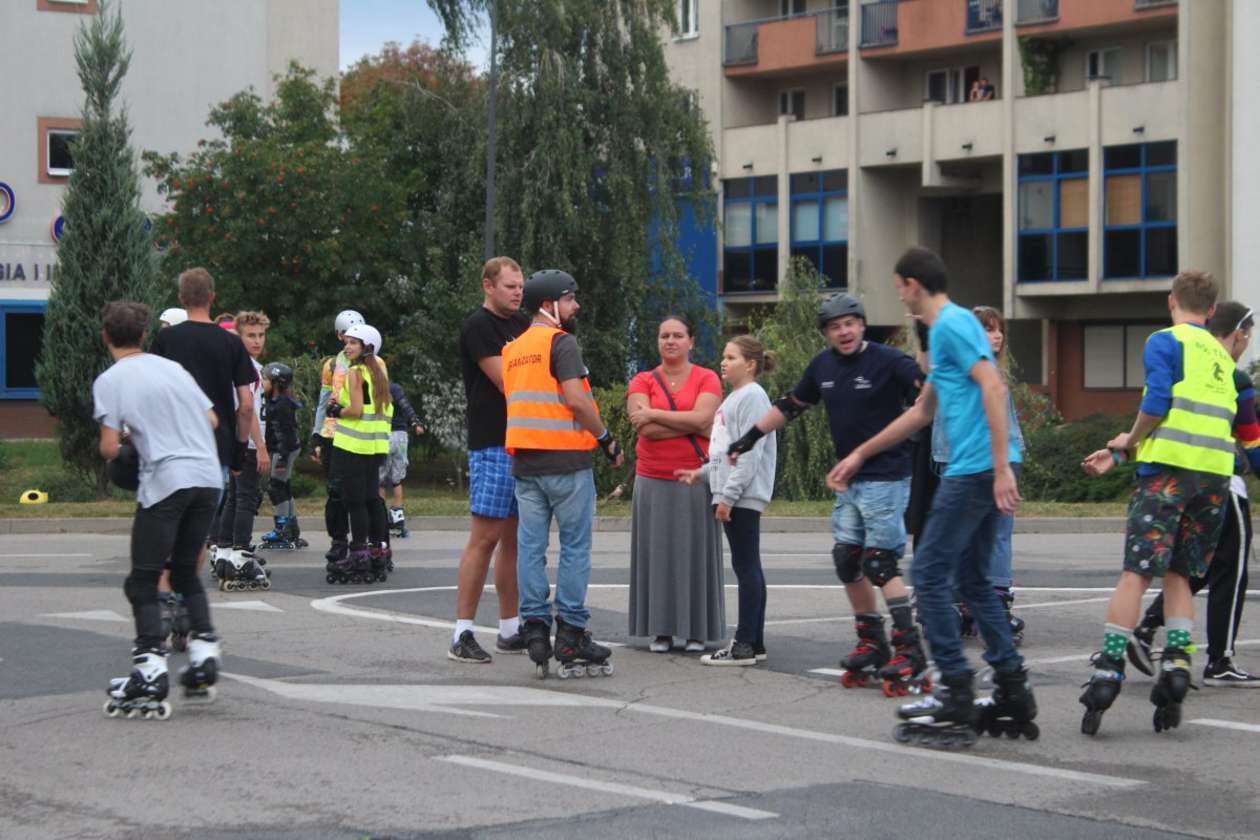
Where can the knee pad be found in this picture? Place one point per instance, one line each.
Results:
(880, 565)
(848, 560)
(278, 491)
(141, 586)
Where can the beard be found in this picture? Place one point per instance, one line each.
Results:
(569, 325)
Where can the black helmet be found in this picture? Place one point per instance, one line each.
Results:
(124, 468)
(837, 306)
(279, 373)
(548, 284)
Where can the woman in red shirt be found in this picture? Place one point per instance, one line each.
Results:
(675, 543)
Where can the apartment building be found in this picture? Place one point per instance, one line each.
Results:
(187, 55)
(1065, 157)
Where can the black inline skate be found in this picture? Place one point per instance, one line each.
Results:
(243, 570)
(1139, 648)
(945, 718)
(577, 654)
(336, 551)
(907, 672)
(355, 567)
(143, 693)
(1010, 709)
(1017, 623)
(382, 561)
(175, 623)
(398, 523)
(537, 635)
(1101, 690)
(870, 654)
(284, 536)
(1171, 687)
(202, 671)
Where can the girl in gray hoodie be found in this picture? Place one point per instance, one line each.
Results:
(741, 492)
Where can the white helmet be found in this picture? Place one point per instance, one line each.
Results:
(346, 319)
(173, 316)
(370, 336)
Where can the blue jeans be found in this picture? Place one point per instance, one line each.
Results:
(570, 497)
(1000, 572)
(955, 552)
(872, 514)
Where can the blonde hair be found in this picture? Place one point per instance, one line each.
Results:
(490, 271)
(250, 318)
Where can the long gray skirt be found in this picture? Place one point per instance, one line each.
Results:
(675, 562)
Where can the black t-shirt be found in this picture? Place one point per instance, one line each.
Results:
(218, 362)
(482, 335)
(280, 415)
(863, 393)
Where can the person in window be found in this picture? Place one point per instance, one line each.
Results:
(976, 93)
(987, 90)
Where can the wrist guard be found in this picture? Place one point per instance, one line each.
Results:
(746, 442)
(791, 408)
(334, 409)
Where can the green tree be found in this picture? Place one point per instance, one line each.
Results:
(106, 253)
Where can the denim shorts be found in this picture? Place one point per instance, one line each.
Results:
(491, 487)
(872, 514)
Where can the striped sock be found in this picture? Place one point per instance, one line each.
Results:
(1115, 640)
(1178, 632)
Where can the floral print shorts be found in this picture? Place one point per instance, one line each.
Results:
(1175, 521)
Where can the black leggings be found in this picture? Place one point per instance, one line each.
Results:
(335, 521)
(173, 528)
(743, 533)
(359, 479)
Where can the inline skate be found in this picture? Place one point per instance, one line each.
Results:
(1010, 709)
(382, 561)
(284, 536)
(398, 523)
(242, 570)
(175, 625)
(537, 635)
(907, 672)
(355, 567)
(577, 654)
(1101, 690)
(1017, 623)
(1171, 687)
(143, 693)
(870, 654)
(945, 718)
(202, 671)
(336, 551)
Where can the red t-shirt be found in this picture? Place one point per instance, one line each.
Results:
(659, 458)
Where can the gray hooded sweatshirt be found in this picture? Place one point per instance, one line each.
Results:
(750, 483)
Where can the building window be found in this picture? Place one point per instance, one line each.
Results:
(688, 24)
(56, 145)
(820, 223)
(85, 7)
(1103, 64)
(1161, 61)
(1054, 216)
(21, 335)
(950, 85)
(788, 8)
(750, 252)
(1140, 210)
(792, 102)
(840, 100)
(1112, 355)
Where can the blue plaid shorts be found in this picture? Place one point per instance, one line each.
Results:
(492, 489)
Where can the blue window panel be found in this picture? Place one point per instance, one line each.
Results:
(1148, 248)
(1047, 250)
(750, 252)
(21, 336)
(820, 223)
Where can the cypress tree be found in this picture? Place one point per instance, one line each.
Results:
(106, 253)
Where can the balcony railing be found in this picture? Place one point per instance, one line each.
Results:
(983, 16)
(832, 35)
(879, 24)
(1150, 4)
(1036, 11)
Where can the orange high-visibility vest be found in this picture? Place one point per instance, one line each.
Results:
(537, 417)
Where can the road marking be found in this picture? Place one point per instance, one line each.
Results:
(258, 606)
(614, 788)
(47, 555)
(1228, 724)
(88, 615)
(828, 672)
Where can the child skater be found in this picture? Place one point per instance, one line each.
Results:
(741, 492)
(280, 419)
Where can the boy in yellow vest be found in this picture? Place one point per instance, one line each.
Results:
(553, 423)
(1184, 444)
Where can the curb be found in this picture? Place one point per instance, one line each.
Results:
(607, 524)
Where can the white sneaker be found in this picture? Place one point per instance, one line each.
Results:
(661, 644)
(694, 646)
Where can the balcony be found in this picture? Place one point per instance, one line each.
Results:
(967, 131)
(1052, 123)
(1036, 11)
(891, 138)
(1147, 112)
(984, 16)
(879, 24)
(782, 45)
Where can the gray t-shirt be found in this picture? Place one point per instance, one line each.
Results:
(566, 363)
(164, 410)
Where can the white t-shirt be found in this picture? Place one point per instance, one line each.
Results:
(165, 412)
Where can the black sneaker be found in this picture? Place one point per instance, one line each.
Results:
(1139, 649)
(466, 649)
(739, 653)
(1223, 672)
(512, 644)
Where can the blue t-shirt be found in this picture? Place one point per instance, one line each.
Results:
(863, 393)
(956, 342)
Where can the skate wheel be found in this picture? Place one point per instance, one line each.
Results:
(266, 583)
(540, 671)
(901, 733)
(1031, 731)
(851, 680)
(110, 709)
(330, 579)
(1012, 733)
(1091, 721)
(132, 714)
(607, 669)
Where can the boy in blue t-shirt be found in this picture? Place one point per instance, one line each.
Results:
(966, 392)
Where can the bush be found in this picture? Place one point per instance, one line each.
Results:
(612, 408)
(1052, 462)
(304, 486)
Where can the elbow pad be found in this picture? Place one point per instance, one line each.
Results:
(791, 408)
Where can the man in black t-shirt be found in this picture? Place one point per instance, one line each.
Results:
(218, 362)
(492, 490)
(864, 385)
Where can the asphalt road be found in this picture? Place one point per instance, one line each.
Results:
(341, 717)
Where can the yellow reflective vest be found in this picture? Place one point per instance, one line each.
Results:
(369, 434)
(1198, 431)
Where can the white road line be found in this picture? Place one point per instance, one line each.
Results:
(47, 555)
(608, 787)
(1227, 724)
(259, 606)
(87, 615)
(827, 672)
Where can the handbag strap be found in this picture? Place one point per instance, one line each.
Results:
(673, 406)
